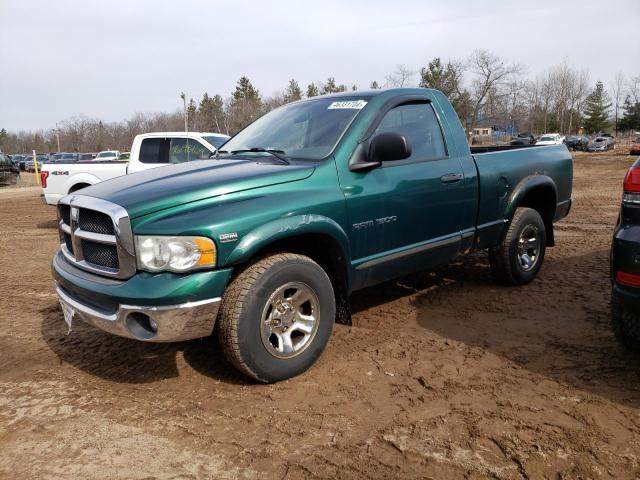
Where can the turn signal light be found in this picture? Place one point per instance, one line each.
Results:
(630, 279)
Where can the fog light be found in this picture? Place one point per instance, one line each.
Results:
(141, 326)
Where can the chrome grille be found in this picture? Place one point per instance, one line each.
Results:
(101, 254)
(96, 222)
(96, 235)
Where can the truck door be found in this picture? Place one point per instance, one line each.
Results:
(406, 214)
(160, 151)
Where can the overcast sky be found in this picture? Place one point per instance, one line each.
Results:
(110, 59)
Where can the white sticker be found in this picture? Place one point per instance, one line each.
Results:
(353, 104)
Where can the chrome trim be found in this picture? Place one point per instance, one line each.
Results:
(95, 237)
(123, 238)
(175, 323)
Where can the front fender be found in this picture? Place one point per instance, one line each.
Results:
(526, 185)
(287, 227)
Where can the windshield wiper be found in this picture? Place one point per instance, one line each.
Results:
(276, 153)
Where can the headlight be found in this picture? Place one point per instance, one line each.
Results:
(175, 254)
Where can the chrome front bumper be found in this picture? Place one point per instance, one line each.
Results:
(171, 323)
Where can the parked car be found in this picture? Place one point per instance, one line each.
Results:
(635, 147)
(149, 150)
(310, 202)
(577, 142)
(523, 139)
(8, 171)
(29, 165)
(601, 144)
(125, 156)
(108, 156)
(19, 160)
(625, 264)
(550, 139)
(62, 157)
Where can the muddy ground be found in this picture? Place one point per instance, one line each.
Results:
(442, 375)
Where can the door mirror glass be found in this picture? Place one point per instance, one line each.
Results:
(389, 146)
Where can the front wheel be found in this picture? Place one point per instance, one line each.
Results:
(276, 317)
(518, 258)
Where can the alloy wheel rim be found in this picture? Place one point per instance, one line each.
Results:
(528, 248)
(290, 320)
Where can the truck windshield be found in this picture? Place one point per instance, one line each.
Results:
(306, 130)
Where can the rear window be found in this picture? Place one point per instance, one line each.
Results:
(215, 140)
(172, 150)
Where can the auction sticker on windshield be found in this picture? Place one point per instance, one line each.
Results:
(352, 104)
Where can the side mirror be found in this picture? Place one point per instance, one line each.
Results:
(389, 146)
(383, 148)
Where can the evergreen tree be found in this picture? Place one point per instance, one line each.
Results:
(246, 91)
(3, 138)
(293, 92)
(312, 90)
(332, 87)
(448, 79)
(374, 85)
(631, 115)
(211, 114)
(445, 78)
(246, 105)
(596, 110)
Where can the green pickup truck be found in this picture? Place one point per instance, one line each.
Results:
(263, 244)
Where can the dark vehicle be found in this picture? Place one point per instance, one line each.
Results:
(635, 147)
(8, 171)
(19, 160)
(601, 144)
(523, 139)
(312, 201)
(625, 264)
(577, 142)
(62, 157)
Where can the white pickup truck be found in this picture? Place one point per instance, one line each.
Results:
(149, 150)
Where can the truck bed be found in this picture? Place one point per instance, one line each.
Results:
(501, 169)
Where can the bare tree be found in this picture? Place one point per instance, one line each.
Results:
(491, 72)
(634, 88)
(618, 90)
(400, 77)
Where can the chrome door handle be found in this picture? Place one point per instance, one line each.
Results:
(451, 178)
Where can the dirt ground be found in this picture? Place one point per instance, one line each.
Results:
(442, 375)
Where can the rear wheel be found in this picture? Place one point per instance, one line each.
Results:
(517, 260)
(626, 325)
(276, 317)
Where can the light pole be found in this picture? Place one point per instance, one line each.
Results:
(58, 137)
(186, 113)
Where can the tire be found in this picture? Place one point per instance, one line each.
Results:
(626, 325)
(517, 261)
(252, 326)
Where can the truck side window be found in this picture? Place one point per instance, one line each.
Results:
(417, 122)
(197, 151)
(154, 150)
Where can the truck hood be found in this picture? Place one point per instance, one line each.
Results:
(160, 188)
